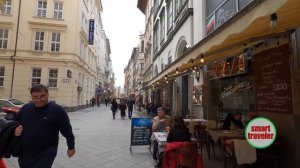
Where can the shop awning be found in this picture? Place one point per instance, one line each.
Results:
(244, 32)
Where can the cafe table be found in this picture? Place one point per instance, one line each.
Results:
(160, 137)
(192, 122)
(216, 134)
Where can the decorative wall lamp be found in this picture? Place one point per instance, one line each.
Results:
(197, 75)
(273, 20)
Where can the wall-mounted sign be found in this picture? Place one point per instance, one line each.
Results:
(91, 31)
(228, 67)
(273, 90)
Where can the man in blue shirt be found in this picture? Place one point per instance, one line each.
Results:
(41, 121)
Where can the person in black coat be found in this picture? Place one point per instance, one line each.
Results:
(233, 121)
(114, 107)
(123, 107)
(179, 132)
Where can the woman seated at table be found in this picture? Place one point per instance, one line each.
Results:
(233, 121)
(179, 132)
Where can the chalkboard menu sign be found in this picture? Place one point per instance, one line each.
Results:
(140, 131)
(273, 80)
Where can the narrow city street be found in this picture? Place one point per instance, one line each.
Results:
(101, 142)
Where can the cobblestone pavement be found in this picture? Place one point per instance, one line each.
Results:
(102, 142)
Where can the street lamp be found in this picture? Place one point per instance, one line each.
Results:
(13, 57)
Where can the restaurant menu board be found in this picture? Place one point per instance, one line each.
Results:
(228, 67)
(273, 80)
(140, 131)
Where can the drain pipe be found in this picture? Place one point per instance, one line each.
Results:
(15, 51)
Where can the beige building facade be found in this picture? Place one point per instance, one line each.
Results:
(51, 47)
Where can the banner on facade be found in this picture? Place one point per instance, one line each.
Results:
(91, 31)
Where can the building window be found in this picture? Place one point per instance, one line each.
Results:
(156, 3)
(39, 41)
(42, 9)
(155, 70)
(155, 38)
(2, 70)
(36, 76)
(162, 26)
(162, 65)
(69, 74)
(169, 60)
(3, 38)
(6, 10)
(55, 42)
(142, 69)
(169, 15)
(58, 10)
(142, 46)
(53, 73)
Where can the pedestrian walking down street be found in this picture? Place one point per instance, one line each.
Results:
(122, 108)
(41, 121)
(114, 107)
(130, 103)
(106, 101)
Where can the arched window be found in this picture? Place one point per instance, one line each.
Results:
(162, 64)
(181, 47)
(155, 70)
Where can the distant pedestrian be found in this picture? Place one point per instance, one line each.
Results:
(114, 107)
(41, 121)
(122, 107)
(93, 101)
(130, 103)
(106, 101)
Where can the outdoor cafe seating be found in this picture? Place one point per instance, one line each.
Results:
(182, 154)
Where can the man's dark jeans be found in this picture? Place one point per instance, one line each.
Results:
(130, 111)
(45, 160)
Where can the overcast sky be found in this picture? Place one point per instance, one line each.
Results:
(123, 22)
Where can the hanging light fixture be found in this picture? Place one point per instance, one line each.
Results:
(177, 71)
(197, 75)
(202, 59)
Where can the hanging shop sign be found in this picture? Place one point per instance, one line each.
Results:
(228, 67)
(91, 31)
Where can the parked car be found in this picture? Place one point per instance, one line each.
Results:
(10, 110)
(13, 102)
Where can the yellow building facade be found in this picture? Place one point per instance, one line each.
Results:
(50, 45)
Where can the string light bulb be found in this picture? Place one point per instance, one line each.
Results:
(202, 59)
